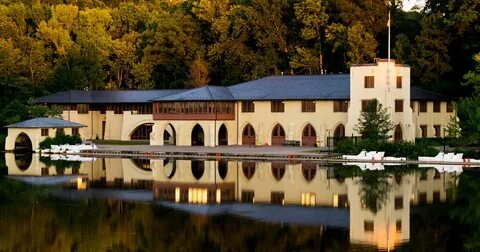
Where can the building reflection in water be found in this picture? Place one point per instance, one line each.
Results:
(378, 202)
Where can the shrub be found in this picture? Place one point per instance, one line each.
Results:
(403, 149)
(59, 139)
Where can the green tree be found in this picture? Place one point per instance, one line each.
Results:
(361, 45)
(374, 123)
(403, 49)
(432, 59)
(313, 19)
(468, 109)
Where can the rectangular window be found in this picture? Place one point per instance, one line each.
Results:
(436, 107)
(278, 106)
(368, 226)
(398, 105)
(44, 132)
(248, 106)
(423, 128)
(365, 105)
(398, 202)
(436, 197)
(449, 107)
(423, 106)
(422, 198)
(75, 131)
(60, 131)
(340, 106)
(277, 197)
(399, 81)
(437, 129)
(82, 108)
(369, 82)
(308, 106)
(398, 226)
(248, 196)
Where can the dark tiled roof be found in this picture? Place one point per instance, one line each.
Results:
(45, 122)
(294, 87)
(116, 96)
(205, 93)
(418, 94)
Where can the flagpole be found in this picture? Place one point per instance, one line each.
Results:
(389, 35)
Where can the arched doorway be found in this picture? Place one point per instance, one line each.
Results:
(309, 170)
(278, 135)
(23, 160)
(278, 170)
(142, 132)
(143, 164)
(23, 143)
(248, 135)
(222, 135)
(398, 136)
(169, 135)
(198, 168)
(170, 167)
(222, 169)
(309, 136)
(248, 169)
(338, 134)
(198, 137)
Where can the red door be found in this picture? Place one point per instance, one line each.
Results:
(278, 135)
(309, 136)
(248, 135)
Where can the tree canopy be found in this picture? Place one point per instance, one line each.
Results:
(48, 46)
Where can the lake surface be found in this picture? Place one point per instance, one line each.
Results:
(214, 205)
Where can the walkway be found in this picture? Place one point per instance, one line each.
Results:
(232, 152)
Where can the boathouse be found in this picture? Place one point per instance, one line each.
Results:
(277, 110)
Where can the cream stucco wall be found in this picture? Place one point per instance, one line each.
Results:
(385, 91)
(293, 121)
(431, 118)
(35, 135)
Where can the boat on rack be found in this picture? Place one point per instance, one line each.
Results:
(373, 156)
(70, 149)
(449, 158)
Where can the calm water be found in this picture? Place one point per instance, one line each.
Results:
(185, 205)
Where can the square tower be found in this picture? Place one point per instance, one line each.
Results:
(389, 83)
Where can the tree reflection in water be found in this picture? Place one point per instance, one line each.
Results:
(375, 189)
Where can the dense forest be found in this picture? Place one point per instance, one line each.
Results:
(53, 45)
